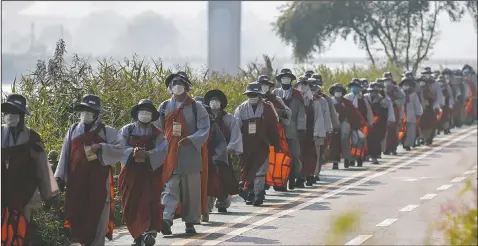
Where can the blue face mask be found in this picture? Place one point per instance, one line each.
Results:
(355, 90)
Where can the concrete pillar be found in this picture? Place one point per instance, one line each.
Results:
(224, 36)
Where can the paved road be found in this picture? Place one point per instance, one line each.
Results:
(398, 201)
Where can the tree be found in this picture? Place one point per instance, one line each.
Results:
(472, 9)
(404, 31)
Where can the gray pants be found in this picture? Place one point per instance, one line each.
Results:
(224, 202)
(345, 140)
(294, 147)
(102, 225)
(410, 135)
(187, 189)
(260, 180)
(318, 142)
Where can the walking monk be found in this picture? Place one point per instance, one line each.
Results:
(258, 122)
(398, 99)
(363, 107)
(186, 126)
(382, 116)
(140, 181)
(410, 114)
(27, 178)
(89, 150)
(431, 108)
(350, 119)
(444, 123)
(469, 77)
(296, 127)
(227, 184)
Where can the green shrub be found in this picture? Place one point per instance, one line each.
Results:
(54, 87)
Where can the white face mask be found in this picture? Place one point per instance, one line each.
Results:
(11, 120)
(215, 105)
(406, 87)
(422, 83)
(253, 100)
(338, 94)
(303, 88)
(265, 88)
(285, 80)
(428, 76)
(178, 90)
(145, 116)
(86, 117)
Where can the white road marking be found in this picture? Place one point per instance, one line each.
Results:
(386, 222)
(428, 196)
(358, 240)
(408, 208)
(458, 179)
(425, 151)
(444, 187)
(469, 172)
(408, 180)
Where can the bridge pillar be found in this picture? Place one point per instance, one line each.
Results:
(224, 36)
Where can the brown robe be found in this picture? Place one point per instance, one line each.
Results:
(378, 131)
(140, 190)
(85, 198)
(392, 140)
(445, 115)
(428, 120)
(308, 153)
(355, 152)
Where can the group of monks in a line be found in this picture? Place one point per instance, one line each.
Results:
(176, 160)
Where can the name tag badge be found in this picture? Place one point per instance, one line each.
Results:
(138, 159)
(177, 129)
(252, 128)
(90, 155)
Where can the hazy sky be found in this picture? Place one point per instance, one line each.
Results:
(457, 40)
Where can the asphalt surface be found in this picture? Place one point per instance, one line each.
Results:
(398, 202)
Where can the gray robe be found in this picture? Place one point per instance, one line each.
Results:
(110, 153)
(413, 109)
(334, 118)
(297, 120)
(156, 156)
(344, 136)
(185, 183)
(47, 187)
(235, 140)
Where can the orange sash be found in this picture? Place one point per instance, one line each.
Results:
(279, 162)
(402, 128)
(360, 153)
(469, 103)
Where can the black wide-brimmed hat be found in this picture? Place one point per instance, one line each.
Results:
(355, 82)
(264, 79)
(285, 73)
(180, 76)
(425, 71)
(408, 74)
(15, 102)
(89, 101)
(447, 71)
(254, 87)
(318, 77)
(467, 67)
(145, 104)
(406, 80)
(309, 73)
(388, 75)
(374, 86)
(303, 80)
(457, 73)
(218, 94)
(379, 80)
(337, 86)
(441, 78)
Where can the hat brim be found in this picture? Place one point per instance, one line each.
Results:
(334, 88)
(135, 109)
(354, 84)
(278, 77)
(216, 93)
(253, 92)
(172, 76)
(7, 106)
(373, 89)
(82, 106)
(410, 82)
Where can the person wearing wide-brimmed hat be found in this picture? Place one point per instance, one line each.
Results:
(398, 99)
(363, 107)
(140, 181)
(382, 114)
(431, 105)
(410, 115)
(186, 126)
(258, 122)
(281, 108)
(444, 123)
(90, 147)
(294, 130)
(27, 178)
(350, 119)
(221, 183)
(318, 124)
(470, 80)
(364, 83)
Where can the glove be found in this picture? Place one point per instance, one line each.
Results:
(61, 184)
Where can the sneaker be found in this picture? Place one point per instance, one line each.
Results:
(299, 183)
(222, 210)
(346, 163)
(205, 218)
(190, 228)
(317, 178)
(386, 153)
(352, 163)
(394, 152)
(148, 239)
(374, 161)
(359, 163)
(250, 198)
(407, 148)
(335, 166)
(258, 202)
(166, 230)
(309, 181)
(291, 184)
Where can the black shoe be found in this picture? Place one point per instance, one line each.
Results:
(407, 148)
(281, 189)
(346, 163)
(222, 210)
(359, 163)
(374, 161)
(379, 157)
(335, 166)
(166, 230)
(352, 163)
(190, 228)
(148, 239)
(258, 202)
(394, 152)
(310, 181)
(291, 184)
(386, 153)
(317, 178)
(428, 142)
(250, 198)
(299, 183)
